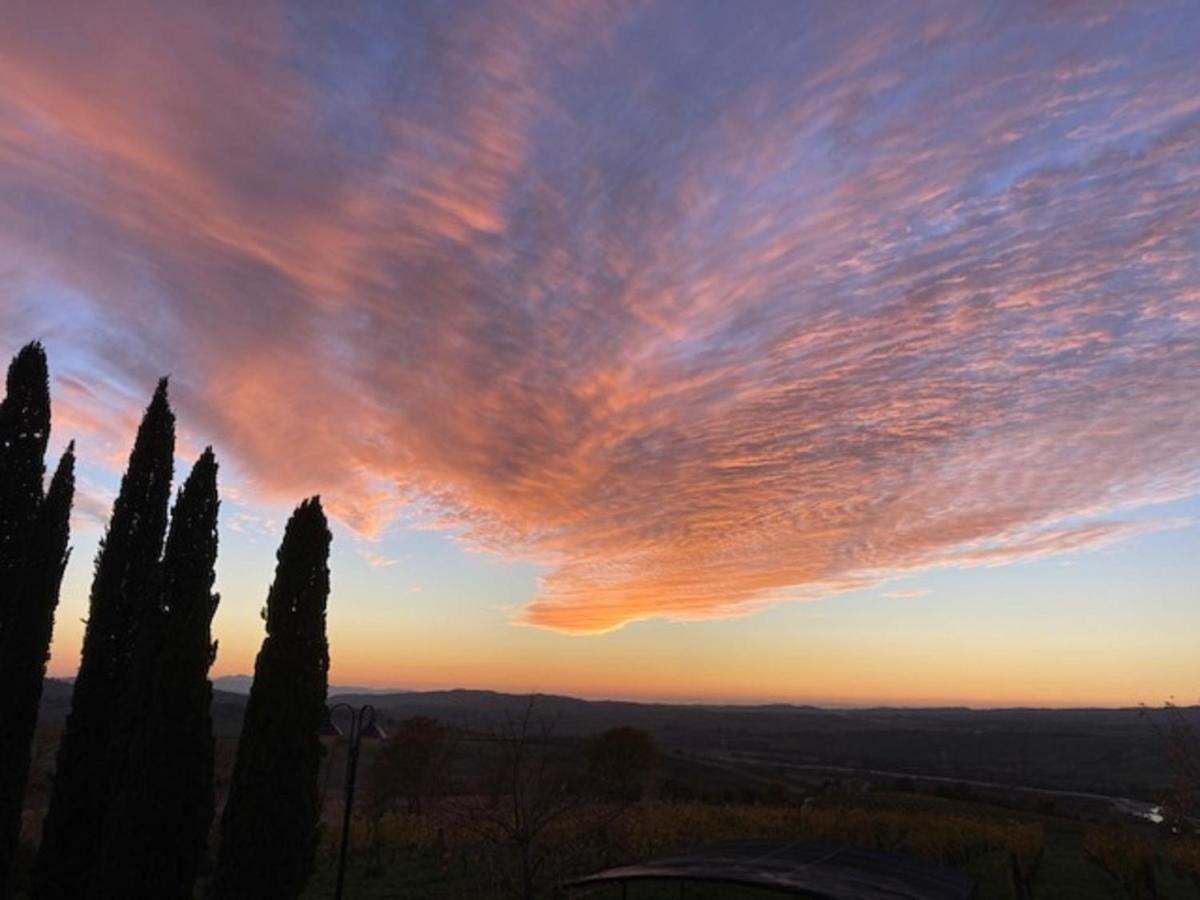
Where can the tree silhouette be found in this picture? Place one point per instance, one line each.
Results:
(269, 828)
(123, 599)
(620, 761)
(34, 531)
(24, 432)
(527, 810)
(409, 766)
(162, 792)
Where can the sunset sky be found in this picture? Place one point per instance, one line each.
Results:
(831, 352)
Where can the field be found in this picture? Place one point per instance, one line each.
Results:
(982, 839)
(1031, 803)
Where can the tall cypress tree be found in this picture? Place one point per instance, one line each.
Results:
(162, 792)
(269, 828)
(33, 553)
(124, 598)
(25, 648)
(24, 433)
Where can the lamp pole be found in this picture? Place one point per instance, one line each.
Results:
(362, 724)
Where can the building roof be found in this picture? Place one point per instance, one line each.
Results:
(813, 869)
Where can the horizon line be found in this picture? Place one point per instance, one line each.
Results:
(832, 705)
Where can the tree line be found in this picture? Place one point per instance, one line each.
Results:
(133, 798)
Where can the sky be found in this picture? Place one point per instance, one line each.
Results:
(778, 351)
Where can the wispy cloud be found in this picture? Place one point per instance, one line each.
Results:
(92, 506)
(703, 309)
(908, 593)
(378, 560)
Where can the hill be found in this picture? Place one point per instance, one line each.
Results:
(1114, 752)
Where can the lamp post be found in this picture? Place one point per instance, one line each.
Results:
(362, 725)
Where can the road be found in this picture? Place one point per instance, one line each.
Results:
(1126, 806)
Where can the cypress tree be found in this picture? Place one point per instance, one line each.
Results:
(25, 648)
(24, 433)
(124, 598)
(33, 553)
(269, 828)
(162, 794)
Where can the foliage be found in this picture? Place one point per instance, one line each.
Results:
(24, 433)
(34, 531)
(1184, 855)
(1181, 805)
(162, 804)
(123, 598)
(270, 826)
(589, 835)
(529, 818)
(652, 829)
(1128, 855)
(409, 766)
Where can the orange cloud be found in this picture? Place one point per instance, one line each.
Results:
(703, 314)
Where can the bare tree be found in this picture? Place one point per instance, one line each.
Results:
(1181, 806)
(532, 811)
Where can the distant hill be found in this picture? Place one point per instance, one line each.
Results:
(240, 684)
(1112, 751)
(227, 707)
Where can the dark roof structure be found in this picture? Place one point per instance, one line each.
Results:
(812, 869)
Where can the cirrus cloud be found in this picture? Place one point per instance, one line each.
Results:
(703, 308)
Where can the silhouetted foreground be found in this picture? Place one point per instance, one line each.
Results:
(34, 529)
(132, 804)
(123, 607)
(156, 826)
(270, 827)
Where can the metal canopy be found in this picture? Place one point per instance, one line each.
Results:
(814, 869)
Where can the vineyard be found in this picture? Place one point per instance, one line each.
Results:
(435, 856)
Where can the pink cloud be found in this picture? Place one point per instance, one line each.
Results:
(703, 315)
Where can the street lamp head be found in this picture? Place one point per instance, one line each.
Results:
(329, 729)
(366, 724)
(372, 732)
